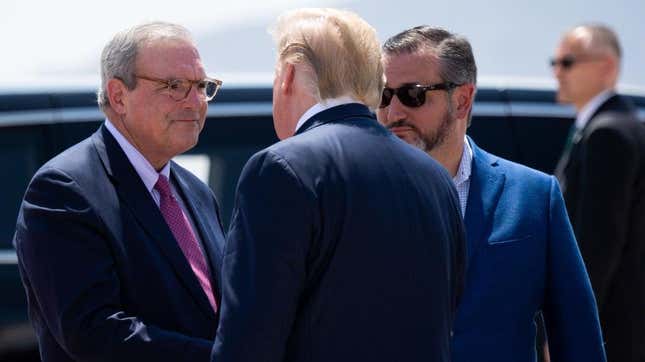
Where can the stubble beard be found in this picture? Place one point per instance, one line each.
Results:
(429, 141)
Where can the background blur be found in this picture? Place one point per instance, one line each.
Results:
(511, 38)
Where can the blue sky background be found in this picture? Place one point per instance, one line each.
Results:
(511, 39)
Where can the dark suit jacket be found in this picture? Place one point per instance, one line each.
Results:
(105, 278)
(603, 181)
(344, 246)
(522, 259)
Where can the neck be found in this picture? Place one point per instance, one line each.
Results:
(117, 121)
(579, 105)
(449, 155)
(300, 107)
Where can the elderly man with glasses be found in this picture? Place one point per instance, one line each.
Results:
(119, 247)
(522, 256)
(602, 175)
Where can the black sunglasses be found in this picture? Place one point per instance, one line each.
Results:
(568, 61)
(413, 95)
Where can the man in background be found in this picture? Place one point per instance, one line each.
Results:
(522, 255)
(602, 175)
(345, 243)
(119, 248)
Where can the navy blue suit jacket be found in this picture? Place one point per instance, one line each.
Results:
(104, 276)
(522, 258)
(345, 245)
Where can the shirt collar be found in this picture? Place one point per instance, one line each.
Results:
(146, 172)
(591, 107)
(321, 106)
(465, 165)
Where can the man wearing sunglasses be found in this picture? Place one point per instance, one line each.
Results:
(119, 248)
(522, 255)
(602, 175)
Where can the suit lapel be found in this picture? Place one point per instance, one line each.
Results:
(133, 193)
(486, 184)
(209, 234)
(565, 171)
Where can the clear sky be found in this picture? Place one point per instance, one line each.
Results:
(511, 38)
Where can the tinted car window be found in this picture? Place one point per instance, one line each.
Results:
(21, 155)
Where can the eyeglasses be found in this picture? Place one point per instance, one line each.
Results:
(413, 95)
(178, 89)
(568, 61)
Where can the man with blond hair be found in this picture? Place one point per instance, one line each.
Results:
(346, 244)
(602, 174)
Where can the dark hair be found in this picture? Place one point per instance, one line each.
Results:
(453, 51)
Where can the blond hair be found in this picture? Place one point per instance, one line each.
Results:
(339, 49)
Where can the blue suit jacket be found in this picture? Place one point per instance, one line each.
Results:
(105, 278)
(343, 246)
(522, 258)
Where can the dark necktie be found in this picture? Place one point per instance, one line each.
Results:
(181, 229)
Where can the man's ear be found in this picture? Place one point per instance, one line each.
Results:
(287, 78)
(117, 92)
(464, 97)
(610, 69)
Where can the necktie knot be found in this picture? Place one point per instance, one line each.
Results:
(163, 186)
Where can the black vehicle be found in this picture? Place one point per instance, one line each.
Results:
(522, 124)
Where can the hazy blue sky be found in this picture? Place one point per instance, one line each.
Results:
(511, 38)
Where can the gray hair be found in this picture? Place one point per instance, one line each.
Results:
(118, 59)
(598, 37)
(456, 59)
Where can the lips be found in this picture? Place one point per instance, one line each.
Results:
(401, 130)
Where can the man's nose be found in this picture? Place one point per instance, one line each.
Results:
(558, 70)
(395, 111)
(195, 99)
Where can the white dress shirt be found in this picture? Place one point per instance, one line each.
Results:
(591, 107)
(324, 105)
(462, 178)
(148, 174)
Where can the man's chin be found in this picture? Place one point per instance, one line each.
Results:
(562, 97)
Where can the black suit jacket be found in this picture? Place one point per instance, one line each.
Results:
(346, 244)
(105, 278)
(603, 181)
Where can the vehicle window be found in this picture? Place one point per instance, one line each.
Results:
(494, 134)
(20, 157)
(228, 143)
(199, 165)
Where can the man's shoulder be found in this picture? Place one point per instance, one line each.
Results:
(321, 137)
(515, 171)
(619, 125)
(79, 158)
(617, 111)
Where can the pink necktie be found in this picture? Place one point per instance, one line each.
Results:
(180, 227)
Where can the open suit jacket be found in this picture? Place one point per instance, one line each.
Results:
(603, 181)
(344, 246)
(104, 276)
(522, 258)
